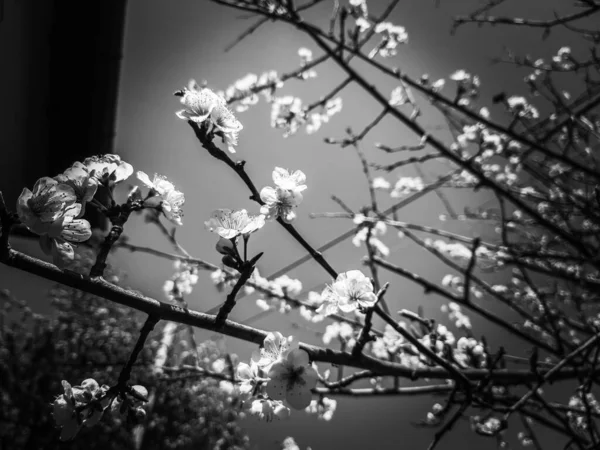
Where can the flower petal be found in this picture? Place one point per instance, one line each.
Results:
(299, 396)
(276, 388)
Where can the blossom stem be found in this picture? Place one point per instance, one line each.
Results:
(364, 336)
(125, 374)
(238, 167)
(119, 216)
(246, 273)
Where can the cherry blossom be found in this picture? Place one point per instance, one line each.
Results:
(292, 181)
(269, 409)
(199, 103)
(292, 379)
(108, 169)
(275, 347)
(323, 408)
(248, 374)
(83, 182)
(279, 203)
(69, 409)
(230, 224)
(65, 232)
(392, 35)
(227, 124)
(163, 195)
(40, 209)
(350, 291)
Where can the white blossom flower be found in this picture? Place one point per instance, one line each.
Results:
(522, 107)
(269, 409)
(230, 224)
(69, 409)
(248, 376)
(83, 182)
(108, 169)
(333, 106)
(342, 330)
(65, 232)
(227, 124)
(292, 181)
(199, 103)
(362, 24)
(407, 185)
(275, 347)
(292, 379)
(279, 203)
(323, 408)
(287, 113)
(381, 183)
(289, 444)
(392, 36)
(39, 210)
(314, 299)
(399, 96)
(305, 54)
(182, 282)
(350, 291)
(164, 195)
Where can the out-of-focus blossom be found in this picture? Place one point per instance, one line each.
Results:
(341, 330)
(292, 181)
(323, 408)
(268, 410)
(392, 35)
(407, 185)
(292, 379)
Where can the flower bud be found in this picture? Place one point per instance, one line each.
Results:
(225, 247)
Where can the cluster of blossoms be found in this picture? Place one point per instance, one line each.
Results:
(339, 330)
(314, 121)
(324, 408)
(287, 113)
(280, 287)
(587, 405)
(455, 314)
(407, 185)
(350, 291)
(246, 89)
(281, 200)
(182, 282)
(84, 405)
(306, 57)
(378, 229)
(391, 36)
(467, 86)
(470, 353)
(278, 375)
(55, 207)
(203, 106)
(521, 107)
